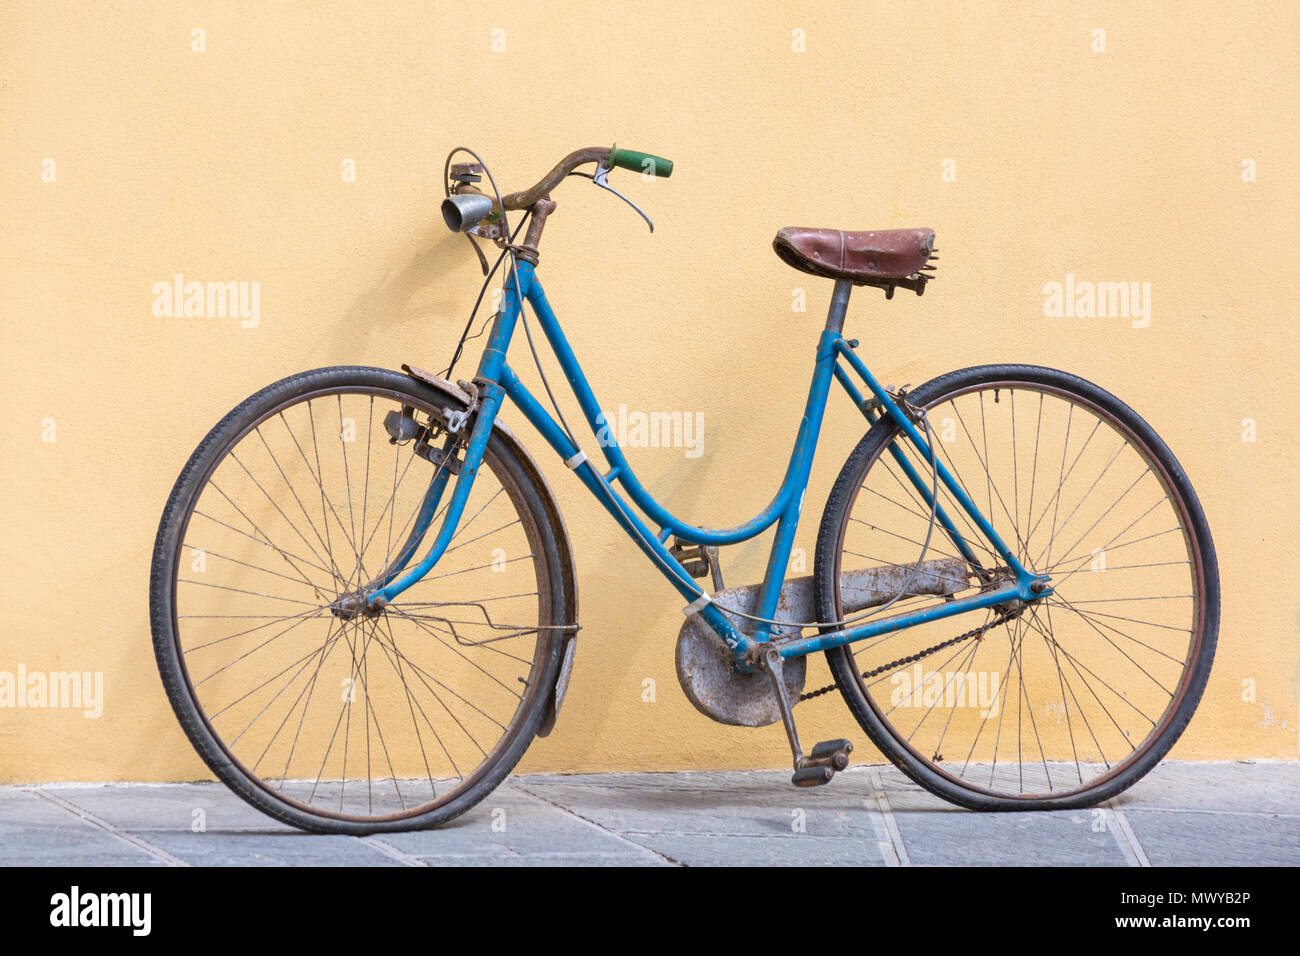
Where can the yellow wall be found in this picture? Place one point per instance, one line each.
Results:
(1123, 165)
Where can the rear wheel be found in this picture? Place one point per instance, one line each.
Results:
(320, 713)
(1073, 697)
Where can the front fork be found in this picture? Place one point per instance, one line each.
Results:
(490, 396)
(479, 419)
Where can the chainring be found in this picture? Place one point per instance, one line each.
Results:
(718, 690)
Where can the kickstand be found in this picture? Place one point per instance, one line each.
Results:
(827, 757)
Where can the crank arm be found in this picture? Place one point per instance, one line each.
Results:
(828, 757)
(774, 666)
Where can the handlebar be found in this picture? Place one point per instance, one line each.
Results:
(467, 207)
(623, 158)
(644, 162)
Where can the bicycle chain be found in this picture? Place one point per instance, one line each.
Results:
(977, 632)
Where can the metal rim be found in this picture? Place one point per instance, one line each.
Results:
(1195, 556)
(528, 702)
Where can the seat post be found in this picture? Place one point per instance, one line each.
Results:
(839, 306)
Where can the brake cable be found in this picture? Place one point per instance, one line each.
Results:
(509, 249)
(465, 336)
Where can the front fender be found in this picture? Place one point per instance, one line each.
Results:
(568, 569)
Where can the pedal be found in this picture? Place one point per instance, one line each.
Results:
(819, 767)
(812, 776)
(698, 560)
(830, 753)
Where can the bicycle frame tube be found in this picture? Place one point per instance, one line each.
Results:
(496, 381)
(918, 440)
(490, 394)
(941, 515)
(785, 507)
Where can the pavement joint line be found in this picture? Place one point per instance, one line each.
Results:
(392, 852)
(898, 849)
(128, 838)
(761, 775)
(1272, 814)
(592, 823)
(1128, 842)
(715, 835)
(224, 831)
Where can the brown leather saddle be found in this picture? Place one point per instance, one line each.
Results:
(884, 258)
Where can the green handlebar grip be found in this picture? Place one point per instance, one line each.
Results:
(640, 162)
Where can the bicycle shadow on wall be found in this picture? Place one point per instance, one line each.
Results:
(388, 304)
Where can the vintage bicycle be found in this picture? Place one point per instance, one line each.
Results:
(364, 600)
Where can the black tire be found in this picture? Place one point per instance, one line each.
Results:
(542, 536)
(933, 771)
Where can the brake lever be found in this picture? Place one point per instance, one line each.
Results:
(600, 179)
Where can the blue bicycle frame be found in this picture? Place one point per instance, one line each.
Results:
(497, 381)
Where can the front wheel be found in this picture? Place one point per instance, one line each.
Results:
(316, 709)
(1066, 700)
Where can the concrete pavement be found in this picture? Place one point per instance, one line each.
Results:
(1240, 813)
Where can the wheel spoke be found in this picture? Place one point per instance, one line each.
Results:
(457, 656)
(1092, 688)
